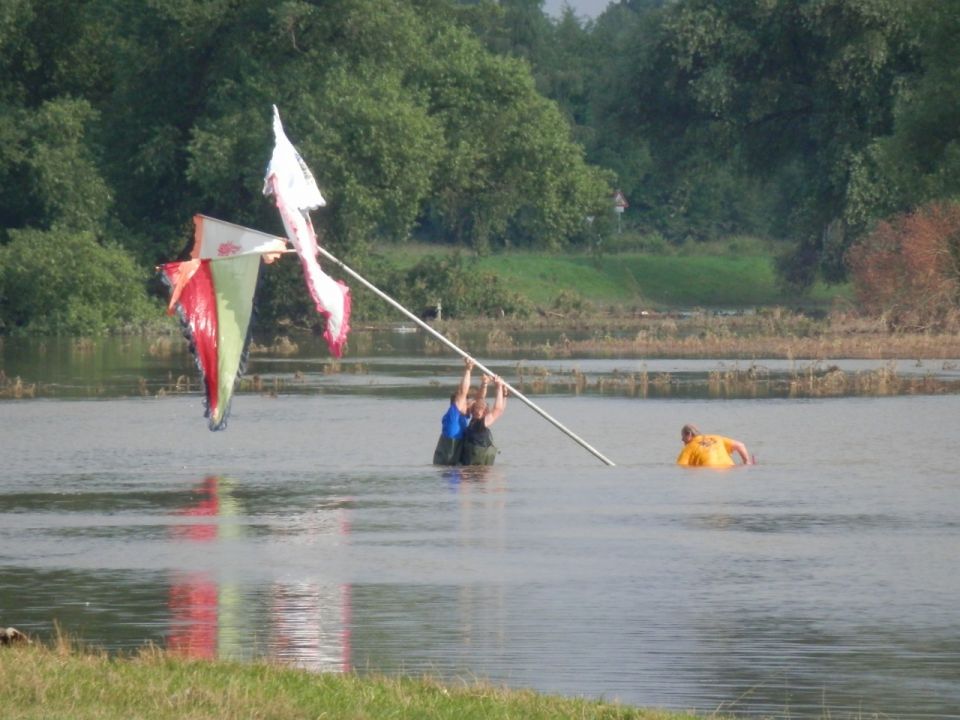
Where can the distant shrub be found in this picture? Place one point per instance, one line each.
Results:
(630, 241)
(908, 268)
(461, 290)
(62, 282)
(747, 245)
(569, 302)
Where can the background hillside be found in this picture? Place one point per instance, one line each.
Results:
(733, 276)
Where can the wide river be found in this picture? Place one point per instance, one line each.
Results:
(822, 582)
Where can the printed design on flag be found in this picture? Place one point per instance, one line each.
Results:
(214, 238)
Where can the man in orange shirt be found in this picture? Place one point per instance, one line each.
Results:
(710, 450)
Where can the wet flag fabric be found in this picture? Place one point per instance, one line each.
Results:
(295, 192)
(214, 238)
(214, 301)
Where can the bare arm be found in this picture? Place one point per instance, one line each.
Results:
(461, 399)
(499, 403)
(482, 392)
(741, 450)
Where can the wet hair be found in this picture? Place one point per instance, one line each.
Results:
(690, 429)
(472, 394)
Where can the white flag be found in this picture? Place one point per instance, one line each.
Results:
(295, 192)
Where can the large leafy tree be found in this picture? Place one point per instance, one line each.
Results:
(906, 265)
(49, 164)
(791, 90)
(406, 121)
(126, 119)
(919, 161)
(61, 269)
(510, 173)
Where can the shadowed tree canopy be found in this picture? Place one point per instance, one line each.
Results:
(785, 90)
(126, 119)
(403, 116)
(919, 162)
(477, 123)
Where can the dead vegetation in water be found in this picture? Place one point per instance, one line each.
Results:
(772, 333)
(15, 387)
(812, 380)
(281, 345)
(812, 344)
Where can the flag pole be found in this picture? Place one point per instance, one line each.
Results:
(382, 295)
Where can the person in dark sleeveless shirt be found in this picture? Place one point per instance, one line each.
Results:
(454, 422)
(478, 447)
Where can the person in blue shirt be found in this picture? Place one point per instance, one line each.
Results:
(455, 421)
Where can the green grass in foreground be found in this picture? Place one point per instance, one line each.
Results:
(40, 682)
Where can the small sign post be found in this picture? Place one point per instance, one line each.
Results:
(619, 205)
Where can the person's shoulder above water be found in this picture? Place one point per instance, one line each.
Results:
(702, 450)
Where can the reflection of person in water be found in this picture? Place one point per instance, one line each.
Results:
(458, 475)
(455, 421)
(478, 447)
(709, 450)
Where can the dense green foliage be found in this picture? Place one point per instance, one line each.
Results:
(86, 288)
(478, 124)
(762, 107)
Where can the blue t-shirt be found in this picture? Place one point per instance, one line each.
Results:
(454, 423)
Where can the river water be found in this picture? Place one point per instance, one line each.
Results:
(821, 582)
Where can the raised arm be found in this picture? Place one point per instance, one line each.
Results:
(482, 392)
(460, 397)
(499, 403)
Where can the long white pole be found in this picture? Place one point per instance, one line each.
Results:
(456, 349)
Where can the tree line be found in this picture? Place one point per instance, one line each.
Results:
(477, 124)
(819, 123)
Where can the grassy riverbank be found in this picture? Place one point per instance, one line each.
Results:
(735, 274)
(39, 683)
(652, 281)
(714, 300)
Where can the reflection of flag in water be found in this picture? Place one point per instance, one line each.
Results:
(204, 609)
(311, 620)
(295, 192)
(193, 596)
(194, 613)
(310, 625)
(214, 299)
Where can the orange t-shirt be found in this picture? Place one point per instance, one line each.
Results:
(707, 451)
